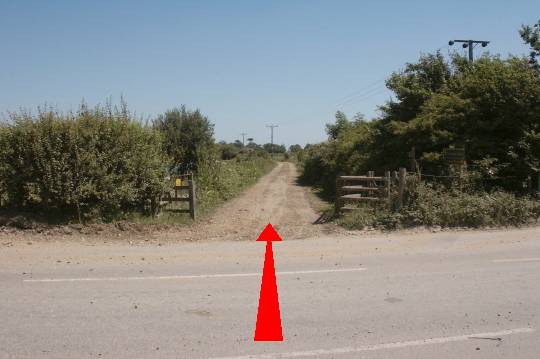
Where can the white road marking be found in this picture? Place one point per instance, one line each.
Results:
(199, 276)
(513, 260)
(394, 345)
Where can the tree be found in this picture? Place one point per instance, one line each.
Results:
(341, 124)
(227, 151)
(491, 109)
(188, 135)
(252, 144)
(412, 88)
(238, 143)
(531, 37)
(414, 85)
(295, 148)
(274, 148)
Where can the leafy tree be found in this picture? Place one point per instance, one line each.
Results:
(295, 148)
(274, 148)
(341, 124)
(252, 144)
(188, 135)
(491, 109)
(238, 143)
(531, 37)
(412, 87)
(228, 151)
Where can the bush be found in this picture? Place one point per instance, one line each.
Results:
(96, 163)
(430, 205)
(374, 217)
(187, 136)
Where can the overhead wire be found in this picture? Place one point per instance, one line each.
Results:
(365, 96)
(363, 89)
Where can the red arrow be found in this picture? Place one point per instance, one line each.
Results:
(268, 326)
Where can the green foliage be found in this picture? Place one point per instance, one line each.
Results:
(429, 205)
(187, 135)
(268, 147)
(218, 181)
(348, 153)
(531, 37)
(490, 108)
(97, 162)
(227, 151)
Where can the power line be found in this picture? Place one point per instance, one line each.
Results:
(361, 90)
(243, 134)
(365, 96)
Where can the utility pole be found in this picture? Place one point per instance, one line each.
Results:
(243, 138)
(469, 44)
(272, 139)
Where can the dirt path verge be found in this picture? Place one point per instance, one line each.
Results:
(276, 199)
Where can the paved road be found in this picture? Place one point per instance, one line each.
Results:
(443, 295)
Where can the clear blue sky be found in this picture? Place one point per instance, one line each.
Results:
(243, 63)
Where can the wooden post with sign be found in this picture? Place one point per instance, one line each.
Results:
(192, 201)
(182, 183)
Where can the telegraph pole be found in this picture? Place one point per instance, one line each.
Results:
(243, 139)
(469, 44)
(272, 138)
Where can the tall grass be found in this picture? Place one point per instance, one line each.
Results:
(219, 181)
(431, 205)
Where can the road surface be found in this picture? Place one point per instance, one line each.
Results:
(443, 295)
(401, 295)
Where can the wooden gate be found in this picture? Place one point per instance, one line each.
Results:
(183, 191)
(368, 188)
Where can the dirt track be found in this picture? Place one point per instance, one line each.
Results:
(276, 199)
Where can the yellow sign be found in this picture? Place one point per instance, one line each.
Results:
(178, 182)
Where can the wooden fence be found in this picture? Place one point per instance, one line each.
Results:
(183, 191)
(370, 188)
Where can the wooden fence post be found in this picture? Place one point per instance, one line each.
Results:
(538, 185)
(412, 157)
(371, 183)
(338, 194)
(388, 183)
(192, 199)
(401, 186)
